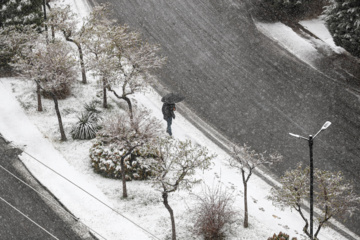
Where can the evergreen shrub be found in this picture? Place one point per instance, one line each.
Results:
(343, 22)
(86, 127)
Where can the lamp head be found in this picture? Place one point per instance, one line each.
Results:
(294, 135)
(326, 125)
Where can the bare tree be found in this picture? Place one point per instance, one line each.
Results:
(64, 20)
(127, 134)
(213, 214)
(175, 168)
(333, 195)
(50, 66)
(246, 160)
(100, 57)
(119, 56)
(136, 61)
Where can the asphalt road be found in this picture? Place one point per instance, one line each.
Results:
(51, 220)
(250, 89)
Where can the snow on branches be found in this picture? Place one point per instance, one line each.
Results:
(333, 195)
(175, 167)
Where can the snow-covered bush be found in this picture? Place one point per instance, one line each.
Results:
(128, 135)
(20, 13)
(281, 236)
(105, 159)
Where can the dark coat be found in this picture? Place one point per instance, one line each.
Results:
(168, 110)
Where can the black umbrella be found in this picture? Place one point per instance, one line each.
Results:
(172, 98)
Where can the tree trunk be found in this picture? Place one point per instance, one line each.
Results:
(165, 198)
(122, 164)
(82, 64)
(246, 214)
(53, 33)
(62, 132)
(126, 99)
(130, 106)
(104, 95)
(38, 93)
(81, 57)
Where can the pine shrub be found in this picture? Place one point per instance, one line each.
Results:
(85, 128)
(105, 159)
(281, 236)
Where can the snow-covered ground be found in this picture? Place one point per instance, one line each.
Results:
(304, 48)
(37, 134)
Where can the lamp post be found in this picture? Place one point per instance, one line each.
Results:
(311, 142)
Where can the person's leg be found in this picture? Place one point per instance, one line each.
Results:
(169, 122)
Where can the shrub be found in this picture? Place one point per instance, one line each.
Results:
(342, 20)
(62, 91)
(281, 236)
(213, 215)
(85, 128)
(105, 159)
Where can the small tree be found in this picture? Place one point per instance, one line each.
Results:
(100, 57)
(50, 66)
(333, 195)
(136, 61)
(246, 160)
(66, 21)
(126, 135)
(18, 44)
(175, 168)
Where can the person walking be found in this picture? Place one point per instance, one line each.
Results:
(168, 112)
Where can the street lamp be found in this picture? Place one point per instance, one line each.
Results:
(311, 141)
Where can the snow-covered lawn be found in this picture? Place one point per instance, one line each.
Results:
(37, 133)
